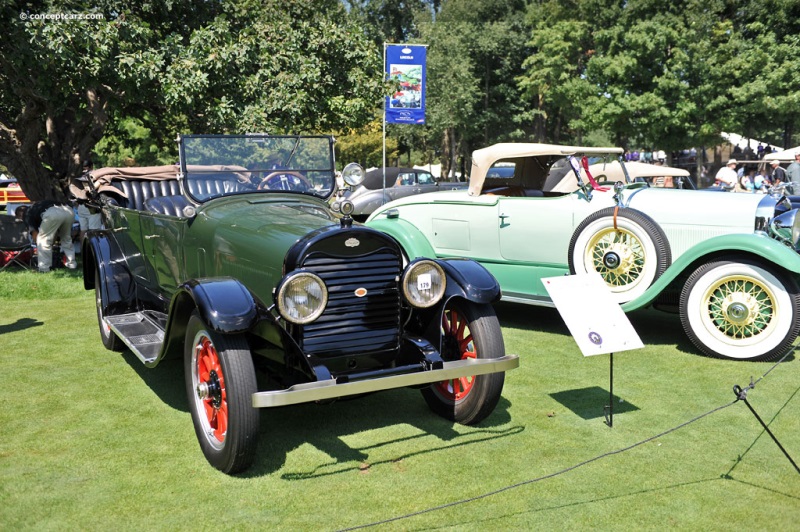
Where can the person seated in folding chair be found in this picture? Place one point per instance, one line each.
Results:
(46, 220)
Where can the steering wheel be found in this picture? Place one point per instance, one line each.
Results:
(285, 180)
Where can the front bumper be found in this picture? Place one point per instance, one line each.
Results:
(330, 389)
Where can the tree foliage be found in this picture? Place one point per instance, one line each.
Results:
(282, 66)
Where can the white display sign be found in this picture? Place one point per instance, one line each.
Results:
(598, 324)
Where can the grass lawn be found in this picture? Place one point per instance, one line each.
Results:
(95, 441)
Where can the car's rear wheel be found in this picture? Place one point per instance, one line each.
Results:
(740, 309)
(469, 330)
(625, 246)
(220, 381)
(110, 340)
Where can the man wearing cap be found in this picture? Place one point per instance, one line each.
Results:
(793, 173)
(778, 174)
(726, 177)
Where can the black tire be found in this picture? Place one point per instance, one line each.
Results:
(110, 340)
(220, 381)
(741, 309)
(625, 246)
(469, 330)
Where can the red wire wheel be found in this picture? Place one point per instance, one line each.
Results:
(457, 335)
(212, 381)
(469, 330)
(220, 383)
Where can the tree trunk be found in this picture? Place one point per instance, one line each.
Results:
(45, 167)
(446, 149)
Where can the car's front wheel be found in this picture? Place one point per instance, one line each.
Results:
(220, 381)
(469, 331)
(625, 246)
(740, 309)
(110, 340)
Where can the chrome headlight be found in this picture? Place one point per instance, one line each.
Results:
(424, 283)
(786, 227)
(302, 297)
(353, 174)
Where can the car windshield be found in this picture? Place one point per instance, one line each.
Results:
(216, 166)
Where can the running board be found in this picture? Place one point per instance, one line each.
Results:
(329, 389)
(140, 333)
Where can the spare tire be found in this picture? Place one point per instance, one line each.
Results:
(625, 246)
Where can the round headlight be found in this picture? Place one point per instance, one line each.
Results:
(353, 174)
(786, 227)
(302, 297)
(424, 283)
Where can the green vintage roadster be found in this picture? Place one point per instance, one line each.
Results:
(233, 261)
(728, 263)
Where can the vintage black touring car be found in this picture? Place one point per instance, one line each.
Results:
(233, 255)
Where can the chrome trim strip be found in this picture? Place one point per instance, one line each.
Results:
(328, 389)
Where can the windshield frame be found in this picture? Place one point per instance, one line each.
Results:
(279, 159)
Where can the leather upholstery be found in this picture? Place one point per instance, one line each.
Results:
(209, 188)
(169, 205)
(140, 190)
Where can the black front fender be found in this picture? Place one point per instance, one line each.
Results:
(224, 305)
(470, 280)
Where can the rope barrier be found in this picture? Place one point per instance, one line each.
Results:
(741, 395)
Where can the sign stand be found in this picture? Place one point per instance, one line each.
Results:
(609, 410)
(597, 323)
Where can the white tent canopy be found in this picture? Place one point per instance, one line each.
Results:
(738, 140)
(784, 155)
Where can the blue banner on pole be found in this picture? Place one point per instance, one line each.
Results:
(405, 65)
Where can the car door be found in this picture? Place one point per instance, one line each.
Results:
(162, 251)
(536, 230)
(127, 232)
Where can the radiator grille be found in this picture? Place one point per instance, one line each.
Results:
(351, 324)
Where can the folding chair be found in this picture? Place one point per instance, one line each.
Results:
(15, 243)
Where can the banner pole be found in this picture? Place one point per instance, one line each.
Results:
(383, 182)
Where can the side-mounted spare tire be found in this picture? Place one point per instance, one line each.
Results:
(625, 246)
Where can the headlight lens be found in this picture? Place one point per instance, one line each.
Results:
(786, 227)
(424, 283)
(302, 297)
(353, 174)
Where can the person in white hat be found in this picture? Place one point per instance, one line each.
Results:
(726, 177)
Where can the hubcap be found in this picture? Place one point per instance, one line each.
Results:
(618, 256)
(740, 307)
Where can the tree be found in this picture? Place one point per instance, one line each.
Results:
(282, 66)
(475, 52)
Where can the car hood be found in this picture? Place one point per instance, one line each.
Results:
(698, 207)
(250, 238)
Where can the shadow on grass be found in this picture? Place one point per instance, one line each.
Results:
(324, 425)
(20, 325)
(166, 380)
(588, 402)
